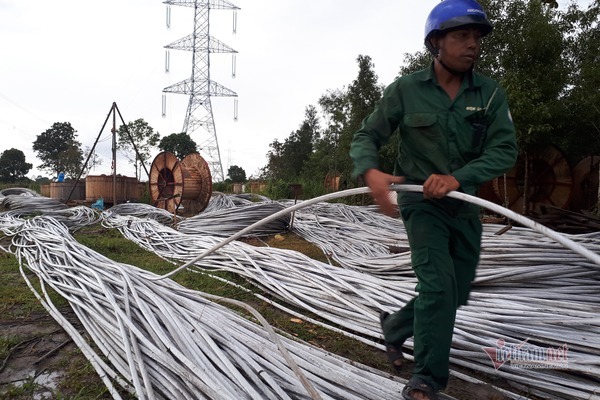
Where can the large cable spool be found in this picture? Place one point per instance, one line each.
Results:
(585, 184)
(332, 181)
(487, 192)
(549, 181)
(175, 183)
(198, 167)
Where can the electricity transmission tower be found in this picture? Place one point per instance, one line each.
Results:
(199, 86)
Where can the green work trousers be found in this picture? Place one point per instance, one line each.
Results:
(444, 253)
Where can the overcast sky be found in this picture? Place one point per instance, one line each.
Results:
(69, 60)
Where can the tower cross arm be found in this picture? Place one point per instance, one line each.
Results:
(216, 89)
(214, 4)
(185, 43)
(216, 46)
(183, 87)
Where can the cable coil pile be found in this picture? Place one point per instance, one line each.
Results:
(527, 290)
(160, 340)
(533, 306)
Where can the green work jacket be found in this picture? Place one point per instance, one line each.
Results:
(471, 137)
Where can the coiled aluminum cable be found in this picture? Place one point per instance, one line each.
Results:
(160, 340)
(537, 381)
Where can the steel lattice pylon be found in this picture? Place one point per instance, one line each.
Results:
(199, 86)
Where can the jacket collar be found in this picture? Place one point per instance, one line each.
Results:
(428, 74)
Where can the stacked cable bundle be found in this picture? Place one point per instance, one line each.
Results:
(528, 290)
(30, 203)
(159, 340)
(225, 221)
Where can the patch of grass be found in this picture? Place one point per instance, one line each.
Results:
(291, 241)
(16, 300)
(80, 380)
(7, 344)
(110, 243)
(23, 391)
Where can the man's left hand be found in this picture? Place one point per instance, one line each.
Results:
(437, 186)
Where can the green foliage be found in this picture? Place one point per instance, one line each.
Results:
(278, 189)
(286, 160)
(136, 140)
(363, 94)
(59, 150)
(526, 54)
(310, 153)
(236, 174)
(223, 187)
(180, 144)
(578, 129)
(546, 59)
(13, 167)
(343, 111)
(146, 197)
(415, 62)
(282, 189)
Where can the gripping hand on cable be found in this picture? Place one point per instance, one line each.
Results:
(437, 186)
(379, 183)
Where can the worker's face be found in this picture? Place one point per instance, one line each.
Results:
(459, 48)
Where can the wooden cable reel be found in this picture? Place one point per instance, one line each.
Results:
(549, 181)
(198, 167)
(332, 181)
(585, 184)
(174, 184)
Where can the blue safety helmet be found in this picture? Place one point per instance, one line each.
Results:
(451, 14)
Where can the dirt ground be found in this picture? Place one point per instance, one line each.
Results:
(38, 363)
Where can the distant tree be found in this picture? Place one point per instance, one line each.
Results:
(136, 141)
(42, 180)
(180, 144)
(13, 167)
(287, 160)
(363, 94)
(236, 174)
(579, 120)
(59, 149)
(275, 161)
(93, 159)
(526, 53)
(344, 111)
(327, 155)
(299, 146)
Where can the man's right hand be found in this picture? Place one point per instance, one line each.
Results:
(379, 183)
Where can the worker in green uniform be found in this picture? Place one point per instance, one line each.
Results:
(455, 132)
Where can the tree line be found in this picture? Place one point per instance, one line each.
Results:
(60, 150)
